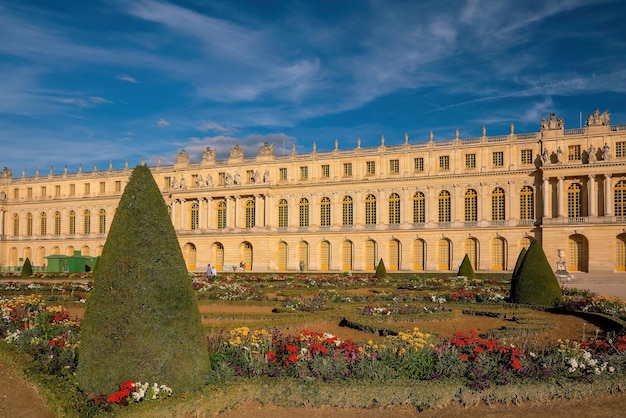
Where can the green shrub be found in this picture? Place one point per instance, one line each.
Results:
(142, 321)
(534, 282)
(518, 263)
(27, 269)
(466, 269)
(381, 271)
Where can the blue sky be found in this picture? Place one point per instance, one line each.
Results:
(94, 81)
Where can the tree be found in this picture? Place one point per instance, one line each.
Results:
(27, 269)
(534, 282)
(381, 271)
(465, 269)
(142, 321)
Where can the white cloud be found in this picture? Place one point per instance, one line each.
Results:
(162, 123)
(125, 77)
(206, 126)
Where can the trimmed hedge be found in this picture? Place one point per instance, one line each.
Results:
(27, 269)
(534, 282)
(465, 269)
(142, 321)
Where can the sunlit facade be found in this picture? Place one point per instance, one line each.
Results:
(419, 206)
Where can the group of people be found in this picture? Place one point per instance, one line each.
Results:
(211, 271)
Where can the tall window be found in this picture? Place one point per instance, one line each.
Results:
(118, 185)
(394, 166)
(573, 201)
(29, 224)
(57, 191)
(619, 194)
(526, 204)
(418, 164)
(87, 189)
(498, 159)
(394, 209)
(444, 162)
(102, 221)
(471, 205)
(347, 211)
(470, 160)
(72, 189)
(325, 171)
(283, 213)
(195, 216)
(304, 213)
(43, 219)
(370, 210)
(498, 254)
(221, 178)
(445, 214)
(370, 167)
(221, 215)
(573, 152)
(282, 174)
(497, 204)
(103, 187)
(347, 169)
(444, 256)
(620, 149)
(43, 192)
(72, 223)
(325, 212)
(250, 176)
(57, 223)
(86, 222)
(304, 173)
(419, 208)
(620, 252)
(16, 225)
(250, 214)
(527, 156)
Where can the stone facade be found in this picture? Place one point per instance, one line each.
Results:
(418, 206)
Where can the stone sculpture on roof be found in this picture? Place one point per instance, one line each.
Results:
(553, 123)
(597, 119)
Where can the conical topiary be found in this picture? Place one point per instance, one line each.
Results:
(518, 263)
(142, 321)
(465, 269)
(381, 271)
(27, 269)
(534, 282)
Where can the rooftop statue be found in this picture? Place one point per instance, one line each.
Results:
(236, 152)
(552, 124)
(597, 119)
(208, 154)
(266, 149)
(182, 157)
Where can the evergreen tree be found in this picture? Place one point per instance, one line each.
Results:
(381, 271)
(27, 269)
(518, 263)
(142, 321)
(465, 269)
(534, 282)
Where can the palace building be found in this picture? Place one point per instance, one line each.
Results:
(417, 206)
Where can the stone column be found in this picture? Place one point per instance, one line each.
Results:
(209, 208)
(229, 212)
(236, 221)
(174, 213)
(608, 200)
(547, 201)
(559, 197)
(183, 214)
(592, 205)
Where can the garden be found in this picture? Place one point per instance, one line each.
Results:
(294, 340)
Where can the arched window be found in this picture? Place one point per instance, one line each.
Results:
(419, 208)
(283, 213)
(394, 209)
(526, 203)
(56, 250)
(525, 242)
(471, 249)
(324, 255)
(498, 254)
(419, 254)
(471, 205)
(248, 255)
(619, 194)
(195, 216)
(29, 224)
(72, 223)
(189, 254)
(370, 210)
(497, 204)
(574, 200)
(221, 215)
(346, 255)
(43, 217)
(304, 213)
(86, 222)
(57, 223)
(347, 211)
(16, 225)
(102, 221)
(620, 255)
(219, 256)
(395, 253)
(370, 255)
(577, 253)
(444, 207)
(325, 212)
(445, 254)
(250, 214)
(303, 254)
(282, 255)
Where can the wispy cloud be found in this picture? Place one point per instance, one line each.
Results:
(162, 123)
(125, 77)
